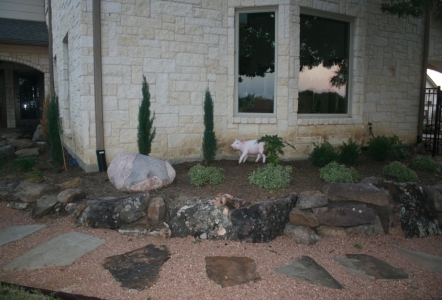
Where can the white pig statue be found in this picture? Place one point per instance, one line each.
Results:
(247, 148)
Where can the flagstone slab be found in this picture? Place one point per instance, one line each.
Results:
(231, 270)
(428, 261)
(14, 233)
(369, 267)
(306, 269)
(137, 269)
(60, 251)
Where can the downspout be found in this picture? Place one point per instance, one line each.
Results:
(420, 121)
(50, 51)
(99, 131)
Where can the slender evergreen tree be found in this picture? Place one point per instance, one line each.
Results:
(146, 133)
(209, 139)
(53, 138)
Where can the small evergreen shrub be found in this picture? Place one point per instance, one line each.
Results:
(273, 147)
(271, 177)
(146, 131)
(424, 163)
(323, 154)
(349, 153)
(53, 138)
(400, 171)
(334, 172)
(379, 148)
(200, 174)
(24, 164)
(209, 138)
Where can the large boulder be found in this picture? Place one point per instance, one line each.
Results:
(113, 213)
(134, 172)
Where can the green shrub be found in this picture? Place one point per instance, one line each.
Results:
(24, 164)
(424, 163)
(349, 153)
(271, 177)
(400, 171)
(200, 174)
(334, 172)
(323, 154)
(397, 147)
(382, 148)
(273, 147)
(379, 148)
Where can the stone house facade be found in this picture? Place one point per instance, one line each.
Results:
(24, 62)
(184, 47)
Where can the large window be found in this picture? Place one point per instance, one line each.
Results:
(324, 65)
(256, 33)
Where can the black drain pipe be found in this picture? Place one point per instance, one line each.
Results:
(99, 131)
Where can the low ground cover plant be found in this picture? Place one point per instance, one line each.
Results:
(23, 164)
(271, 177)
(424, 163)
(12, 292)
(199, 175)
(323, 154)
(400, 171)
(334, 173)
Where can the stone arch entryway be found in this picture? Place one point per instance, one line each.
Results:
(22, 92)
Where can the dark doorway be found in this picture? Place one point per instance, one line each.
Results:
(29, 97)
(432, 121)
(3, 121)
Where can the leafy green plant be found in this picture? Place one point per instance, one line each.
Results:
(349, 153)
(323, 154)
(200, 174)
(397, 147)
(357, 246)
(209, 139)
(400, 171)
(424, 163)
(146, 133)
(273, 147)
(271, 177)
(24, 164)
(54, 141)
(334, 172)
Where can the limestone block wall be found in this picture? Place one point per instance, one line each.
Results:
(21, 58)
(73, 68)
(394, 58)
(184, 47)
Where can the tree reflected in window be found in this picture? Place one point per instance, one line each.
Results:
(324, 58)
(256, 62)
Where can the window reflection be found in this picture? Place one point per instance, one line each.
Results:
(324, 56)
(29, 94)
(256, 65)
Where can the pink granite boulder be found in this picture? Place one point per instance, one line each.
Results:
(134, 172)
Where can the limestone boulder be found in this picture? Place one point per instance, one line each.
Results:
(134, 172)
(29, 192)
(28, 152)
(347, 214)
(356, 192)
(301, 234)
(7, 151)
(38, 134)
(21, 144)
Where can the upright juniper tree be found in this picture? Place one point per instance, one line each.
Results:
(209, 139)
(53, 138)
(146, 132)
